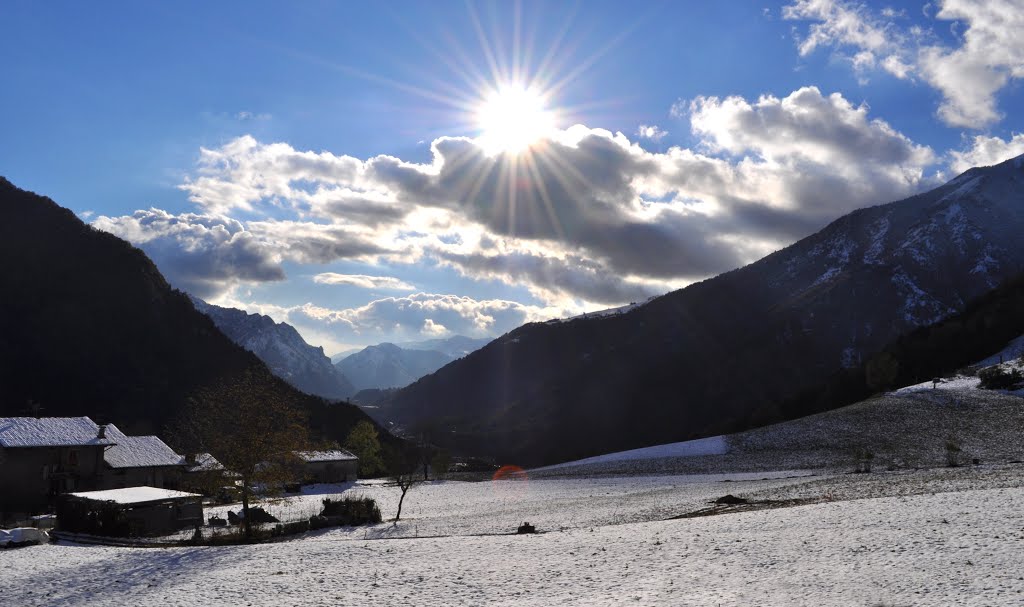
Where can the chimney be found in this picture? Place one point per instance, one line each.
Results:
(103, 431)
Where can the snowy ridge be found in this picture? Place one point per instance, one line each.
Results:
(283, 350)
(606, 312)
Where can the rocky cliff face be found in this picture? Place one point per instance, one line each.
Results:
(284, 351)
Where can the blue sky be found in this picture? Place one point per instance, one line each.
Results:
(327, 163)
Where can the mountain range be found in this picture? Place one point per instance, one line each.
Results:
(727, 353)
(390, 365)
(283, 350)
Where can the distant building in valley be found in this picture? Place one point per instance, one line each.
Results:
(335, 466)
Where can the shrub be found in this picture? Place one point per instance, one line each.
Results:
(998, 378)
(864, 459)
(953, 450)
(351, 511)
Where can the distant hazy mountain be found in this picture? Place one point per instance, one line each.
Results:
(394, 366)
(335, 358)
(281, 347)
(455, 347)
(89, 326)
(725, 354)
(388, 366)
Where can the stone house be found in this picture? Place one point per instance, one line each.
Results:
(134, 461)
(42, 457)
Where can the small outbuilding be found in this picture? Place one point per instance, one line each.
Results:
(129, 512)
(336, 466)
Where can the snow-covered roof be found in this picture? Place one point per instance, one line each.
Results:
(134, 495)
(337, 455)
(204, 462)
(50, 432)
(138, 451)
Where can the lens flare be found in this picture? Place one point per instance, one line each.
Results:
(509, 473)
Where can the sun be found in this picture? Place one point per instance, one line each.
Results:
(512, 117)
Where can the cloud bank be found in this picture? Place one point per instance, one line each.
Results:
(586, 218)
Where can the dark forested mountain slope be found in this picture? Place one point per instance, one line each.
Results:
(725, 354)
(986, 326)
(88, 326)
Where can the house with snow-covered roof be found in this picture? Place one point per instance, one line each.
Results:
(204, 474)
(42, 457)
(139, 461)
(333, 466)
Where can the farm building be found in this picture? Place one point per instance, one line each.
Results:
(129, 512)
(334, 466)
(42, 457)
(134, 461)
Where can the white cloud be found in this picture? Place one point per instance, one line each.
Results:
(363, 281)
(415, 316)
(651, 131)
(992, 54)
(805, 125)
(246, 115)
(986, 151)
(434, 329)
(969, 76)
(847, 24)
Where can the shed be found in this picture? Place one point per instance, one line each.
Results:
(335, 466)
(129, 512)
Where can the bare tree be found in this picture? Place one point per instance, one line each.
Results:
(251, 426)
(403, 472)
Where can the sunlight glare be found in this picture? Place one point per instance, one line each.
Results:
(512, 118)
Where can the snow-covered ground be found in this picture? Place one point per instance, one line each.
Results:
(962, 548)
(713, 445)
(911, 533)
(469, 508)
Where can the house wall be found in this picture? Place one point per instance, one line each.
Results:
(163, 477)
(31, 477)
(331, 472)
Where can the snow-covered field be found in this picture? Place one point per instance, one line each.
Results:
(960, 548)
(911, 533)
(469, 508)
